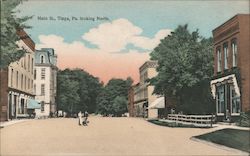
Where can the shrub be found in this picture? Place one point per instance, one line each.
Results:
(244, 120)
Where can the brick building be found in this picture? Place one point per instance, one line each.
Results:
(143, 92)
(231, 82)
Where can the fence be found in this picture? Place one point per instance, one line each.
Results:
(196, 120)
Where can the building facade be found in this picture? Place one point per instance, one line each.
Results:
(45, 81)
(18, 79)
(231, 82)
(143, 92)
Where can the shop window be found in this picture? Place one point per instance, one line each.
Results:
(42, 106)
(221, 100)
(235, 102)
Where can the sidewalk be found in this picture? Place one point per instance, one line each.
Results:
(11, 122)
(233, 126)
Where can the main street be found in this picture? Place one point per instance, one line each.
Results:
(103, 136)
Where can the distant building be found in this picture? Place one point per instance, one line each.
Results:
(231, 82)
(131, 102)
(143, 92)
(45, 81)
(17, 82)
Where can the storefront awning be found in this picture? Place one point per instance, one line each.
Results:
(158, 103)
(33, 104)
(219, 80)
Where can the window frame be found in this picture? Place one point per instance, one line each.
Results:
(234, 59)
(219, 60)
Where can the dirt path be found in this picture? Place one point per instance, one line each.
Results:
(103, 136)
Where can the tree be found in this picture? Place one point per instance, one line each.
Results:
(185, 65)
(119, 105)
(9, 25)
(86, 89)
(114, 92)
(67, 96)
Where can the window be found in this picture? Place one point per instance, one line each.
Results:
(225, 48)
(11, 78)
(22, 62)
(42, 106)
(220, 100)
(28, 83)
(43, 73)
(25, 83)
(22, 107)
(32, 65)
(31, 84)
(235, 102)
(28, 62)
(42, 59)
(35, 74)
(24, 59)
(22, 81)
(35, 89)
(218, 59)
(234, 50)
(42, 89)
(16, 79)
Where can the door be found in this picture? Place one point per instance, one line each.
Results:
(10, 106)
(14, 106)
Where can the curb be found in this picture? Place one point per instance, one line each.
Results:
(236, 151)
(12, 122)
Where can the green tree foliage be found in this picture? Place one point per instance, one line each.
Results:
(120, 105)
(113, 98)
(9, 25)
(78, 87)
(68, 98)
(185, 67)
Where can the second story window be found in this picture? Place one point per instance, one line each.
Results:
(35, 89)
(234, 51)
(16, 79)
(43, 73)
(225, 49)
(12, 75)
(28, 62)
(22, 81)
(42, 89)
(34, 74)
(218, 59)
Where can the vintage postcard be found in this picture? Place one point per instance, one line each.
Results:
(123, 77)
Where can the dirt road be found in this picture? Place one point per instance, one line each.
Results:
(103, 136)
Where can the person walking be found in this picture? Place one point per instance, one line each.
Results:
(80, 118)
(86, 114)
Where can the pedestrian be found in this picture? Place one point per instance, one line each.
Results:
(80, 118)
(86, 114)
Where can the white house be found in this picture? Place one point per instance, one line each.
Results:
(45, 81)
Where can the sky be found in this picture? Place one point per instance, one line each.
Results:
(113, 38)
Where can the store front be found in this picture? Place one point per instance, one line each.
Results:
(227, 95)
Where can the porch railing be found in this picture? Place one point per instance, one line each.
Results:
(196, 120)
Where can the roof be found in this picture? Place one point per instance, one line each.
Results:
(26, 39)
(229, 20)
(158, 103)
